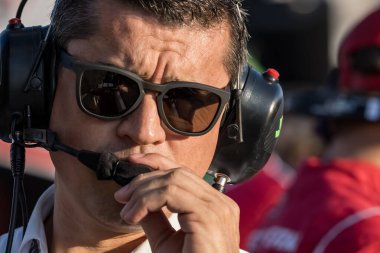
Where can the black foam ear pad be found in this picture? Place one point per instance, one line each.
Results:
(262, 109)
(21, 88)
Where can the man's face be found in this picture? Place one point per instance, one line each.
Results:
(133, 41)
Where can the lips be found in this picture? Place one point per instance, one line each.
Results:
(108, 167)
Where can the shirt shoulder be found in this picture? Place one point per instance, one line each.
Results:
(17, 239)
(352, 233)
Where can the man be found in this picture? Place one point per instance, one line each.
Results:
(333, 204)
(151, 43)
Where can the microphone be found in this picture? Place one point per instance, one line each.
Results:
(106, 165)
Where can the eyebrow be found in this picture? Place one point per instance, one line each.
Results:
(143, 76)
(127, 65)
(69, 60)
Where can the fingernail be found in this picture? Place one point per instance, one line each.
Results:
(124, 214)
(119, 194)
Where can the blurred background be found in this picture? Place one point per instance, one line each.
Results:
(299, 38)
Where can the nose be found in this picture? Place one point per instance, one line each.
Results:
(143, 126)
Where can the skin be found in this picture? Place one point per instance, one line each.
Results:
(105, 217)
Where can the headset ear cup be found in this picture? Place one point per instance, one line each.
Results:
(262, 108)
(28, 61)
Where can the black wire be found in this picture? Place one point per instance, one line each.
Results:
(37, 62)
(66, 149)
(17, 168)
(20, 8)
(13, 128)
(12, 224)
(24, 207)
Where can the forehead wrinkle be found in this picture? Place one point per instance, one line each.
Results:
(136, 54)
(166, 52)
(158, 53)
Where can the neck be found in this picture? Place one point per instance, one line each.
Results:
(361, 143)
(73, 228)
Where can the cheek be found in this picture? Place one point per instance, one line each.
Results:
(199, 151)
(67, 119)
(74, 127)
(64, 106)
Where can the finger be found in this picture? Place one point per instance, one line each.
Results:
(203, 222)
(176, 199)
(154, 160)
(159, 231)
(162, 163)
(182, 177)
(123, 194)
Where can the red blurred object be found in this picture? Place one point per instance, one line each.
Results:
(331, 207)
(365, 35)
(272, 73)
(14, 21)
(259, 194)
(37, 161)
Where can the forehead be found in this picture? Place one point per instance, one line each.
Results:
(132, 38)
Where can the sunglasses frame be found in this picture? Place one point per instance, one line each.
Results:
(69, 62)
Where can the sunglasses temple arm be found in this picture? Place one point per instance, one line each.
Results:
(237, 93)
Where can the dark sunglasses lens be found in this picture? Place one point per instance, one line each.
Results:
(190, 110)
(106, 93)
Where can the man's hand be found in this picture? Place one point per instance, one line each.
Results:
(209, 220)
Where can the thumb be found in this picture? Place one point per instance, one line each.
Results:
(161, 235)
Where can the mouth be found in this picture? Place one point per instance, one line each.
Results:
(126, 171)
(123, 153)
(110, 167)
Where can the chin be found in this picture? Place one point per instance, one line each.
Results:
(109, 216)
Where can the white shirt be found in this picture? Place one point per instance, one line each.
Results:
(34, 240)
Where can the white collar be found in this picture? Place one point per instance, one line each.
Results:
(36, 229)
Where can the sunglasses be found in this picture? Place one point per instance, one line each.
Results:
(107, 92)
